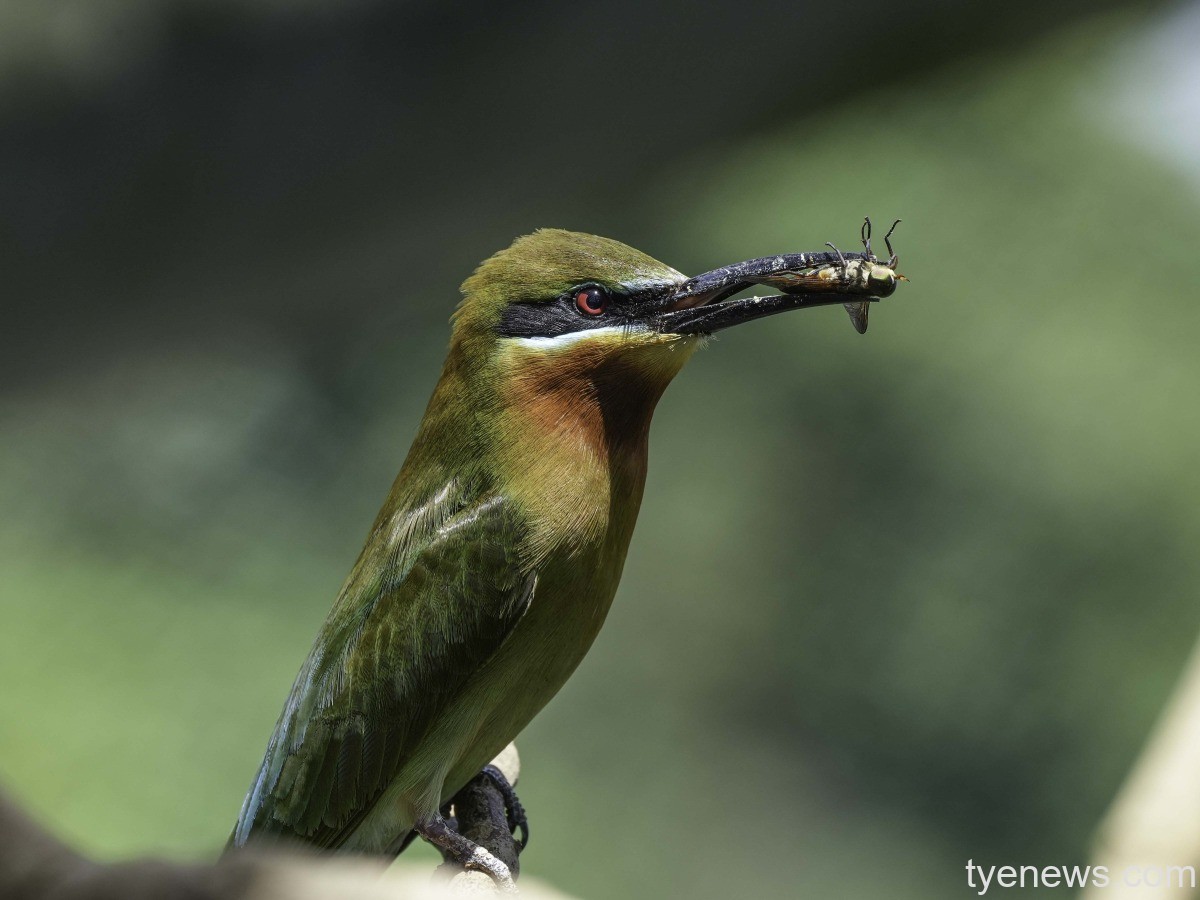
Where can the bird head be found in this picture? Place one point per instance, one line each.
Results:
(564, 301)
(563, 344)
(578, 300)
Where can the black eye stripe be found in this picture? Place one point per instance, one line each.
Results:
(562, 315)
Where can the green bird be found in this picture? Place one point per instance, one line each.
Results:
(492, 564)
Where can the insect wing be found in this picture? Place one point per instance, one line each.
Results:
(858, 311)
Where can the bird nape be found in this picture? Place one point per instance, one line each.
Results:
(495, 557)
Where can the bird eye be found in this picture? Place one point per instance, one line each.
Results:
(591, 301)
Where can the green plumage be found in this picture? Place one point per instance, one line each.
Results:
(410, 627)
(492, 565)
(489, 569)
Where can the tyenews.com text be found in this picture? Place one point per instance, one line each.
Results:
(984, 878)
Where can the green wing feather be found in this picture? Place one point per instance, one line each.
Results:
(435, 593)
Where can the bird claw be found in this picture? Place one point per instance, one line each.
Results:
(513, 810)
(464, 853)
(485, 861)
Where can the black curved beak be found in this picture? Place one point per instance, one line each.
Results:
(701, 305)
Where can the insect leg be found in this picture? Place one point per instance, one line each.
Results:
(844, 274)
(887, 242)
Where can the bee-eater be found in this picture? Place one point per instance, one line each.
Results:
(493, 562)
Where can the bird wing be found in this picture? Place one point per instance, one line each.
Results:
(434, 595)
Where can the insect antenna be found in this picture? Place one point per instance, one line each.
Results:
(887, 242)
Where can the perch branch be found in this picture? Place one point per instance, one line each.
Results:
(35, 865)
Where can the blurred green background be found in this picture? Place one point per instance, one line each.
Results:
(894, 601)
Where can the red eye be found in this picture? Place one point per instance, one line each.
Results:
(591, 301)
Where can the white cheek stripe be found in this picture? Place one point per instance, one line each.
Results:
(574, 337)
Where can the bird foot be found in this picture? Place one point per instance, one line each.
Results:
(465, 853)
(514, 811)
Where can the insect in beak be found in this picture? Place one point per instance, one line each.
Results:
(880, 276)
